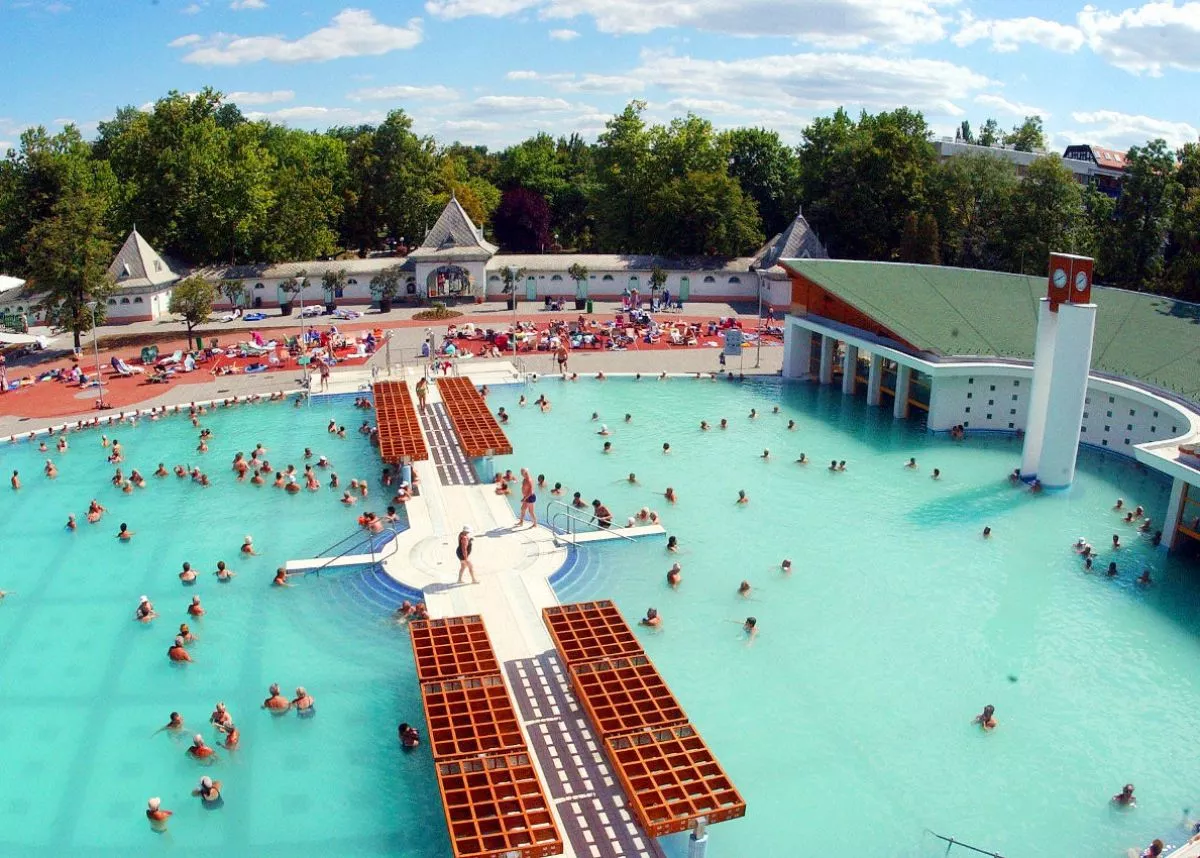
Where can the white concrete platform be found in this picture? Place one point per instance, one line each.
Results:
(614, 533)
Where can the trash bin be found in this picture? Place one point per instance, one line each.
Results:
(199, 343)
(589, 305)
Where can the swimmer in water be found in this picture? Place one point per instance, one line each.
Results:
(750, 627)
(303, 702)
(986, 719)
(766, 454)
(607, 447)
(672, 543)
(124, 534)
(187, 575)
(987, 533)
(71, 525)
(209, 790)
(912, 464)
(220, 715)
(1120, 503)
(280, 579)
(670, 495)
(200, 751)
(741, 498)
(936, 475)
(674, 575)
(791, 424)
(651, 619)
(786, 567)
(753, 413)
(248, 545)
(603, 430)
(174, 724)
(703, 425)
(1125, 797)
(724, 424)
(157, 814)
(276, 702)
(1112, 570)
(631, 479)
(195, 609)
(1116, 542)
(628, 418)
(145, 611)
(666, 448)
(176, 651)
(803, 460)
(409, 736)
(186, 633)
(1144, 578)
(223, 573)
(744, 589)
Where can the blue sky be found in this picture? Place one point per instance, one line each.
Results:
(496, 71)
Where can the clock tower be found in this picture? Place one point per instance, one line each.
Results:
(1061, 363)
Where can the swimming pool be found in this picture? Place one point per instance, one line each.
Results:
(847, 723)
(83, 688)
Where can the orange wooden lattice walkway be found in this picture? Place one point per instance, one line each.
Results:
(399, 430)
(670, 776)
(478, 432)
(494, 803)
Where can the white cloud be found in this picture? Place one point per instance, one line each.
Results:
(519, 104)
(1016, 108)
(587, 82)
(1121, 130)
(184, 41)
(320, 117)
(564, 35)
(817, 81)
(1009, 34)
(841, 23)
(1147, 39)
(5, 145)
(403, 92)
(244, 97)
(192, 9)
(352, 33)
(239, 5)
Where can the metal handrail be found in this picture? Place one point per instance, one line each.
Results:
(354, 549)
(566, 512)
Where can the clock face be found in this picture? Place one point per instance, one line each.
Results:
(1060, 278)
(1081, 281)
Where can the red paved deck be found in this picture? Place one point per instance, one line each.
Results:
(400, 435)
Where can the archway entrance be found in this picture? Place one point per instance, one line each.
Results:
(449, 281)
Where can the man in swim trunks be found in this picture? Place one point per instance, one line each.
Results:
(528, 499)
(276, 703)
(176, 652)
(602, 514)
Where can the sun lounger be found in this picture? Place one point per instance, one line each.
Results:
(172, 359)
(124, 369)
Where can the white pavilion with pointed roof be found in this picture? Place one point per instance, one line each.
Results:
(144, 281)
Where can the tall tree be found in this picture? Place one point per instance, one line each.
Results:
(702, 213)
(989, 134)
(193, 298)
(971, 197)
(1182, 276)
(623, 180)
(1029, 136)
(768, 172)
(1143, 214)
(964, 132)
(1045, 216)
(68, 257)
(522, 221)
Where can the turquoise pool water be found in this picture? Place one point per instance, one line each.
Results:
(83, 688)
(847, 722)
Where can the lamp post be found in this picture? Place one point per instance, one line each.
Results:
(91, 305)
(512, 277)
(758, 345)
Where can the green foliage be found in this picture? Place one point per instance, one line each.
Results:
(233, 290)
(1029, 136)
(769, 173)
(970, 196)
(1046, 215)
(989, 134)
(387, 283)
(193, 298)
(1143, 214)
(702, 213)
(331, 281)
(658, 277)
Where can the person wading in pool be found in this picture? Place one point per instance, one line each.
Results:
(528, 499)
(463, 553)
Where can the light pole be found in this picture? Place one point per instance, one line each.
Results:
(758, 347)
(91, 305)
(512, 277)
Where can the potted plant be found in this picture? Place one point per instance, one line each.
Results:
(579, 273)
(512, 276)
(385, 286)
(333, 282)
(658, 279)
(234, 292)
(289, 289)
